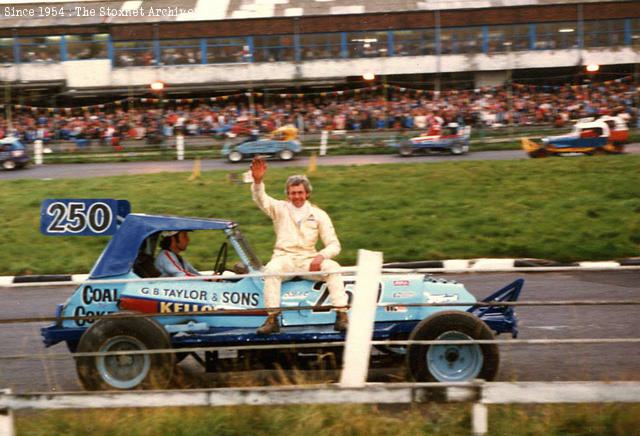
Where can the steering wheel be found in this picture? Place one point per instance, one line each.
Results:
(221, 260)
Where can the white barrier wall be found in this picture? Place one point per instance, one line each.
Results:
(100, 73)
(88, 73)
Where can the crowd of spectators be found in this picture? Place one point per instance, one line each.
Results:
(381, 109)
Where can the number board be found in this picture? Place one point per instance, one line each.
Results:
(82, 217)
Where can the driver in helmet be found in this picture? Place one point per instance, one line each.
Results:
(168, 261)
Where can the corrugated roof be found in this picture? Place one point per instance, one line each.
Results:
(141, 11)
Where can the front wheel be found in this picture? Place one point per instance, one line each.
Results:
(234, 156)
(457, 148)
(285, 154)
(9, 165)
(452, 362)
(126, 371)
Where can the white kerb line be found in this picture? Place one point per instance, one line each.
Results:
(358, 342)
(6, 418)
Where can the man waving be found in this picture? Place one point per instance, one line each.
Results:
(298, 225)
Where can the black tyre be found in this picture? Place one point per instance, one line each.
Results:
(9, 165)
(405, 150)
(285, 154)
(539, 153)
(457, 148)
(134, 371)
(235, 156)
(451, 362)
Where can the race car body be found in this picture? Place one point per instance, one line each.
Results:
(282, 143)
(13, 154)
(452, 139)
(225, 311)
(604, 135)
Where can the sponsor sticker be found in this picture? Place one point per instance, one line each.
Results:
(396, 309)
(295, 295)
(405, 294)
(441, 298)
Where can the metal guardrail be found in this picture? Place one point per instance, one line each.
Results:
(352, 387)
(479, 393)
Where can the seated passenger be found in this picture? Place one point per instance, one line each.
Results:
(287, 132)
(168, 261)
(434, 130)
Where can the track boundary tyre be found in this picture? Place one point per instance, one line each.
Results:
(451, 362)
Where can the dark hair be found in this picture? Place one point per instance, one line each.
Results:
(165, 243)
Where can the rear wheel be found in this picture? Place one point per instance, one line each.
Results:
(8, 165)
(285, 154)
(405, 150)
(452, 362)
(130, 371)
(234, 156)
(541, 152)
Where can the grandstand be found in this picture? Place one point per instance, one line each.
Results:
(68, 53)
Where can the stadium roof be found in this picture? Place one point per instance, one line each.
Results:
(18, 14)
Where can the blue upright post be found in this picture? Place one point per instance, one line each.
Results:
(485, 39)
(203, 50)
(344, 52)
(390, 44)
(532, 37)
(110, 50)
(63, 48)
(250, 45)
(297, 50)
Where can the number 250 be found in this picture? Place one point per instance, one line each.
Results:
(73, 218)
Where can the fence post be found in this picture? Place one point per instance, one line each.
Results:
(6, 417)
(324, 137)
(37, 151)
(180, 146)
(363, 307)
(479, 419)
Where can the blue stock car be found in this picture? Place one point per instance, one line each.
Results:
(282, 143)
(13, 154)
(194, 313)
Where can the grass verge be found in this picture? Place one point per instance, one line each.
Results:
(579, 208)
(432, 419)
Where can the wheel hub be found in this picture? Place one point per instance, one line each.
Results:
(453, 363)
(123, 371)
(451, 355)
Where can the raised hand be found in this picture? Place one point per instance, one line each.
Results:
(258, 169)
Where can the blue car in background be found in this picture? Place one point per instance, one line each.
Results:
(282, 143)
(227, 310)
(13, 154)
